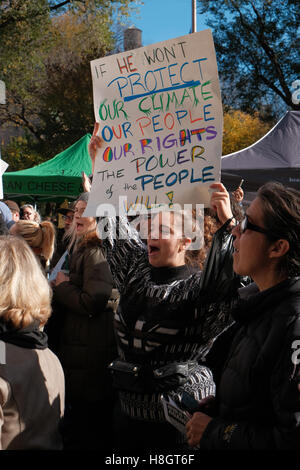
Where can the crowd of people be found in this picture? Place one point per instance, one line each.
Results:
(103, 322)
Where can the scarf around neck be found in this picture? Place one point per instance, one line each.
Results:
(30, 337)
(166, 274)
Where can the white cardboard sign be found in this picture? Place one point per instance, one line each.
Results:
(3, 166)
(160, 114)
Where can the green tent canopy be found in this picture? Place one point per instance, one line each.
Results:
(54, 180)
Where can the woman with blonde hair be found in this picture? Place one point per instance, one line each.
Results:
(40, 237)
(84, 302)
(31, 377)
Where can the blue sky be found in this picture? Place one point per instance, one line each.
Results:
(160, 20)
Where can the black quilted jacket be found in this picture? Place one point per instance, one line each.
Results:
(258, 401)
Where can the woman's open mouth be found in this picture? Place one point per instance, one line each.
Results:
(152, 250)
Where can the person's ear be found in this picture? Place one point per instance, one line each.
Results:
(279, 248)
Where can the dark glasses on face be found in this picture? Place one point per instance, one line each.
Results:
(67, 217)
(245, 224)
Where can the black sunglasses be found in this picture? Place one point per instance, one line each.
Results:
(245, 224)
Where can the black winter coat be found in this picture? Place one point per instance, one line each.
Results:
(258, 401)
(85, 306)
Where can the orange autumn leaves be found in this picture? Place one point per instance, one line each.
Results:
(241, 130)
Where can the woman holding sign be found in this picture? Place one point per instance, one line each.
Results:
(166, 318)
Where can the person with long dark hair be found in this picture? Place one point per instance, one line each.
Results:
(257, 404)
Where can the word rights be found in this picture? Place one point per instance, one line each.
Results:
(160, 117)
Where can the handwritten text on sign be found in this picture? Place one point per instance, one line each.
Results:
(160, 116)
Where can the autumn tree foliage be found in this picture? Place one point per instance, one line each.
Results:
(257, 45)
(240, 130)
(19, 154)
(45, 53)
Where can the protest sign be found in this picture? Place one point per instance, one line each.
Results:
(174, 415)
(3, 166)
(160, 115)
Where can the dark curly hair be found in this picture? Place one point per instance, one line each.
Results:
(197, 258)
(281, 214)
